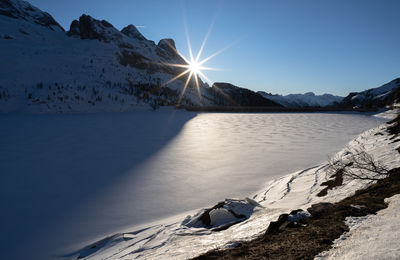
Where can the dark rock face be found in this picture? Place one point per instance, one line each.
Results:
(89, 28)
(134, 60)
(23, 10)
(319, 208)
(229, 95)
(74, 28)
(167, 44)
(276, 226)
(132, 32)
(167, 50)
(284, 221)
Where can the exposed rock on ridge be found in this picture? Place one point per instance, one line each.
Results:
(25, 11)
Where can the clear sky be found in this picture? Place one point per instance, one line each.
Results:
(278, 46)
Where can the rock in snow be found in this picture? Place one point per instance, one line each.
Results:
(222, 215)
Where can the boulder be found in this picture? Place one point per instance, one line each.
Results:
(317, 210)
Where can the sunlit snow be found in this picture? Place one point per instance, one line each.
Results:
(68, 180)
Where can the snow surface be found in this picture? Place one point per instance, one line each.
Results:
(370, 237)
(168, 239)
(297, 190)
(68, 180)
(377, 93)
(388, 114)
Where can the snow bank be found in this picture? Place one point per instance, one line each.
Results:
(370, 237)
(389, 114)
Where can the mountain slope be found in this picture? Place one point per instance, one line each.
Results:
(384, 95)
(303, 100)
(227, 94)
(93, 67)
(25, 11)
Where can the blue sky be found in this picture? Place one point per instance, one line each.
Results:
(276, 46)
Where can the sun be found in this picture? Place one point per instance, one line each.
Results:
(195, 67)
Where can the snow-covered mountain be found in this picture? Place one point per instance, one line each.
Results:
(384, 95)
(92, 67)
(303, 100)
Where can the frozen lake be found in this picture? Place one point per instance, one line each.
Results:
(67, 180)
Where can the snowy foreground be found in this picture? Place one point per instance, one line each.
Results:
(184, 237)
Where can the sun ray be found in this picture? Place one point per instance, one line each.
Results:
(204, 41)
(176, 77)
(176, 65)
(209, 68)
(184, 87)
(204, 76)
(219, 52)
(188, 41)
(197, 86)
(225, 96)
(194, 65)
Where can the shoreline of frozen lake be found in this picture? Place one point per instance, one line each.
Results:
(98, 173)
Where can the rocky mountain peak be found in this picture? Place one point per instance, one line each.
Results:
(25, 11)
(132, 32)
(167, 44)
(90, 28)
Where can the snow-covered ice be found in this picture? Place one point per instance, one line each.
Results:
(171, 239)
(69, 180)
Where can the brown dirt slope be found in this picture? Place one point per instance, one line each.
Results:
(315, 234)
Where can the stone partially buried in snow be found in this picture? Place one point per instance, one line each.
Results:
(222, 215)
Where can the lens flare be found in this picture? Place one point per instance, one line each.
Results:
(194, 67)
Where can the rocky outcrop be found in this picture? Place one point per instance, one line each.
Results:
(25, 11)
(132, 32)
(223, 215)
(167, 45)
(90, 28)
(167, 50)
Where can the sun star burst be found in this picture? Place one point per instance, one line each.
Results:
(194, 67)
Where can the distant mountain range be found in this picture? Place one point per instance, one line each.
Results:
(303, 100)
